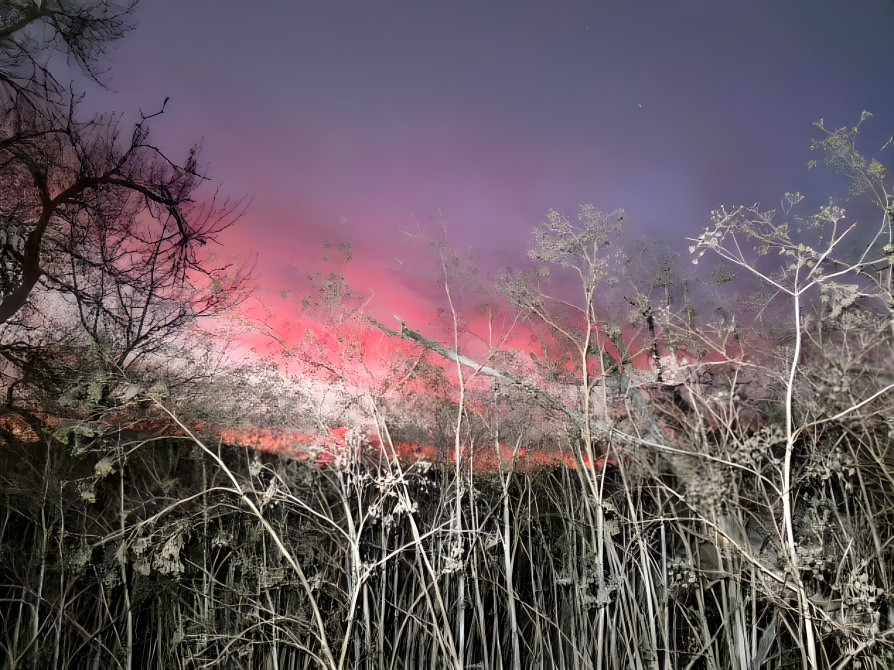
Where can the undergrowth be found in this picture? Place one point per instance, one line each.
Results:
(120, 549)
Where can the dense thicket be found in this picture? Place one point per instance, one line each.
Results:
(121, 548)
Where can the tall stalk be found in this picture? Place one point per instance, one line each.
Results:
(788, 506)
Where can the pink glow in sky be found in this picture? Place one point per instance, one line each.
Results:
(351, 121)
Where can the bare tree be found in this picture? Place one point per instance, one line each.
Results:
(94, 214)
(33, 30)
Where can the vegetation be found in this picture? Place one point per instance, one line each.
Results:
(727, 500)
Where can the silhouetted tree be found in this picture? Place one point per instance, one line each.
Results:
(96, 216)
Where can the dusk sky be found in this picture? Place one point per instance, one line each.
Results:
(348, 121)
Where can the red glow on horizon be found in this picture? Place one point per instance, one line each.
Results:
(341, 444)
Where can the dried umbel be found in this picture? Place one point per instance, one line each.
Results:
(888, 250)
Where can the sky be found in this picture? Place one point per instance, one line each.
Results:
(359, 121)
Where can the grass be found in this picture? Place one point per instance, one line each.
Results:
(170, 552)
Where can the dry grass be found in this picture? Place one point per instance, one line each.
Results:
(162, 553)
